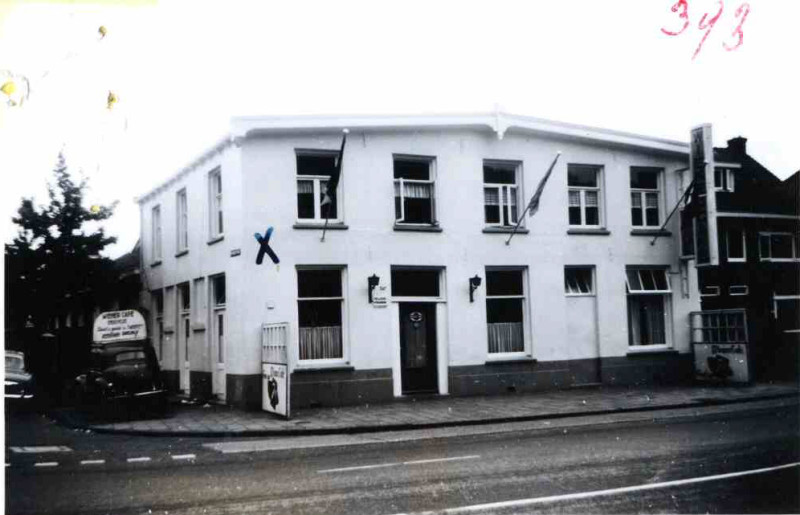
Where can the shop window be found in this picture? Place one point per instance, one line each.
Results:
(649, 313)
(320, 305)
(505, 310)
(500, 194)
(314, 170)
(414, 192)
(645, 197)
(584, 195)
(578, 280)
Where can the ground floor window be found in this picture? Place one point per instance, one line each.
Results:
(648, 306)
(505, 310)
(320, 305)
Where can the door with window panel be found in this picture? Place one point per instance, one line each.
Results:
(219, 330)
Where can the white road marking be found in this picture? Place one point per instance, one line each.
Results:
(92, 462)
(362, 467)
(437, 460)
(384, 465)
(183, 457)
(46, 464)
(598, 493)
(41, 448)
(137, 460)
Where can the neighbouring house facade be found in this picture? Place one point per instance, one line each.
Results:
(414, 288)
(758, 227)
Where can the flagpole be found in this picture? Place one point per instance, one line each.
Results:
(327, 213)
(534, 203)
(330, 190)
(683, 197)
(519, 221)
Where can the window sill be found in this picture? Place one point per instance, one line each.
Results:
(649, 232)
(216, 239)
(595, 232)
(504, 230)
(337, 226)
(197, 327)
(182, 253)
(663, 351)
(155, 263)
(509, 361)
(417, 228)
(301, 369)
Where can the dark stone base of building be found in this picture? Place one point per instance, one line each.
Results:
(200, 384)
(312, 388)
(171, 380)
(342, 387)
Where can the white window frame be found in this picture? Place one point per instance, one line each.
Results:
(769, 236)
(216, 216)
(318, 190)
(582, 190)
(526, 345)
(570, 290)
(726, 178)
(709, 291)
(314, 363)
(744, 291)
(728, 247)
(182, 220)
(666, 295)
(642, 194)
(400, 184)
(505, 192)
(156, 234)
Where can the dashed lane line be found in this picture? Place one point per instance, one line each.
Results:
(183, 457)
(397, 464)
(93, 462)
(521, 503)
(40, 448)
(46, 464)
(138, 460)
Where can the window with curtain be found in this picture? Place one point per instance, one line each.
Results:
(414, 194)
(649, 293)
(645, 197)
(314, 169)
(320, 305)
(500, 194)
(584, 192)
(505, 307)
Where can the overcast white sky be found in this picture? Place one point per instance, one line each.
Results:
(181, 69)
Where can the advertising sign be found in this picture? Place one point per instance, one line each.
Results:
(379, 297)
(119, 326)
(704, 200)
(721, 362)
(276, 389)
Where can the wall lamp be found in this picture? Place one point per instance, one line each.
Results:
(372, 282)
(474, 282)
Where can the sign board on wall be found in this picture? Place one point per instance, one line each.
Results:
(379, 297)
(721, 362)
(119, 326)
(275, 392)
(704, 200)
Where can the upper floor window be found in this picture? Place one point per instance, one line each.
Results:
(723, 179)
(218, 290)
(215, 203)
(584, 184)
(778, 246)
(414, 192)
(735, 244)
(314, 170)
(505, 310)
(500, 193)
(645, 197)
(156, 234)
(182, 221)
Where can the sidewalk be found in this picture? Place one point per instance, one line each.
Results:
(219, 421)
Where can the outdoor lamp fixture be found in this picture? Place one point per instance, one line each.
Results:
(474, 282)
(372, 282)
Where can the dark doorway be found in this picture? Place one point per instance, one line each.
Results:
(418, 347)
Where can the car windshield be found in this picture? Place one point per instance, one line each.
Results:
(15, 364)
(129, 356)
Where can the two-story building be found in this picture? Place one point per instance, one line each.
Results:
(424, 209)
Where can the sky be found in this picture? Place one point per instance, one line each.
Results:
(180, 70)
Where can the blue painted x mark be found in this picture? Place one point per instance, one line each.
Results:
(264, 248)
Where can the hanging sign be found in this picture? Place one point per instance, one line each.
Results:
(704, 200)
(119, 326)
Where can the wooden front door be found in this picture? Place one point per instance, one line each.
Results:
(418, 347)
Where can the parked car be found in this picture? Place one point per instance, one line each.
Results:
(19, 382)
(123, 368)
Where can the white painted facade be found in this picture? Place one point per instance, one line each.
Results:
(259, 183)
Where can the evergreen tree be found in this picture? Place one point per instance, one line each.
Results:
(53, 265)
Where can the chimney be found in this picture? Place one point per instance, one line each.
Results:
(738, 146)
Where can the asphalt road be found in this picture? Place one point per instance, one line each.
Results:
(621, 465)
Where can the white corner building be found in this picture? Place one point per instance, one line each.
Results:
(589, 290)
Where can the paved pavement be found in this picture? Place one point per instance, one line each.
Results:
(214, 420)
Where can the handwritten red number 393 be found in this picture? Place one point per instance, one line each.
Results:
(681, 7)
